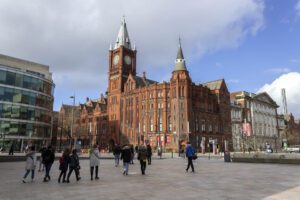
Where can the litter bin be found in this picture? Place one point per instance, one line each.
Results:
(227, 157)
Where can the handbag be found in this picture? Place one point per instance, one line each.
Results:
(194, 157)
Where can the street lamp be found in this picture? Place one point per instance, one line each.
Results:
(72, 123)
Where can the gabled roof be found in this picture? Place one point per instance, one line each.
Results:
(263, 96)
(214, 85)
(142, 82)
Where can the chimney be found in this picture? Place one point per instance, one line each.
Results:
(144, 75)
(87, 99)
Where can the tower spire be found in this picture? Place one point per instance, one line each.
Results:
(180, 62)
(123, 37)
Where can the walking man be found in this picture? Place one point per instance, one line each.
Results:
(11, 149)
(126, 156)
(48, 161)
(94, 161)
(190, 152)
(142, 156)
(74, 166)
(117, 152)
(149, 154)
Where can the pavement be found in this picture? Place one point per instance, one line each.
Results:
(164, 179)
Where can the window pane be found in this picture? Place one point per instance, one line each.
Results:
(2, 76)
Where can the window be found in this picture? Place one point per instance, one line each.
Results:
(169, 123)
(151, 124)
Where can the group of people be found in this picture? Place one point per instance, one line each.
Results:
(70, 161)
(127, 154)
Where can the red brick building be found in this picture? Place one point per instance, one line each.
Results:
(163, 114)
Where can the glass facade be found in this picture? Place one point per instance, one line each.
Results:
(26, 104)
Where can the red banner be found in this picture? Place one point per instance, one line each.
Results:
(247, 129)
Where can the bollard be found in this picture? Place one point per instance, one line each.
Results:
(172, 154)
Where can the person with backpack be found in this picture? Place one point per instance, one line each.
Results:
(30, 164)
(48, 160)
(142, 156)
(117, 152)
(190, 153)
(126, 157)
(94, 162)
(74, 166)
(64, 164)
(149, 154)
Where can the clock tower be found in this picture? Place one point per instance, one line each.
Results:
(122, 62)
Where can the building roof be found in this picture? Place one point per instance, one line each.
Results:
(123, 37)
(142, 82)
(26, 66)
(214, 85)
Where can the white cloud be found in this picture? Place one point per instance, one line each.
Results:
(291, 83)
(73, 36)
(278, 70)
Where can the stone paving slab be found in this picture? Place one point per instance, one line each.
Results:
(164, 179)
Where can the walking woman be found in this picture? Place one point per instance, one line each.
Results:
(190, 152)
(74, 166)
(64, 164)
(142, 156)
(94, 161)
(30, 164)
(149, 154)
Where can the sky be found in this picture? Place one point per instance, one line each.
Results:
(253, 44)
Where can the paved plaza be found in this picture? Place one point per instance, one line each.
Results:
(164, 179)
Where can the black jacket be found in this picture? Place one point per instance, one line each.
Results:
(48, 156)
(126, 154)
(117, 150)
(74, 161)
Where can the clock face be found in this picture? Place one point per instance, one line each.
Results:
(116, 59)
(127, 60)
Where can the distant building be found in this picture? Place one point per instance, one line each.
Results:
(289, 130)
(259, 124)
(26, 102)
(67, 116)
(236, 125)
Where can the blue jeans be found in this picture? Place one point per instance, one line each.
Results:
(117, 159)
(126, 165)
(27, 172)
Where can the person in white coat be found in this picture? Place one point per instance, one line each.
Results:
(94, 161)
(30, 163)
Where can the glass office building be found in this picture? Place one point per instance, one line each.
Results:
(26, 103)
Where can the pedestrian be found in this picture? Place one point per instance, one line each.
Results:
(190, 153)
(74, 166)
(11, 149)
(149, 154)
(159, 152)
(94, 162)
(64, 164)
(126, 157)
(132, 153)
(42, 152)
(142, 157)
(30, 163)
(48, 160)
(117, 152)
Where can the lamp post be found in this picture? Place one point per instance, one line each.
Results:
(72, 122)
